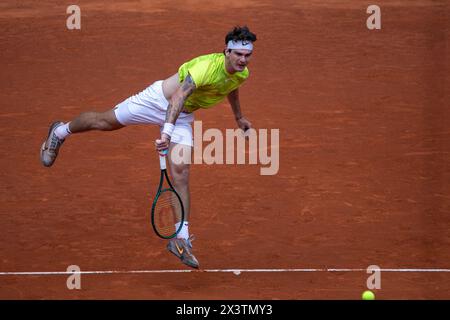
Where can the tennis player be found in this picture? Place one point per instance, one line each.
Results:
(199, 84)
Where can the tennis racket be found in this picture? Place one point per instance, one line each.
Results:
(167, 208)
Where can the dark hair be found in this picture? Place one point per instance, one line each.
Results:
(240, 33)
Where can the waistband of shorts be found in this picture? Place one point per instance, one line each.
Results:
(157, 86)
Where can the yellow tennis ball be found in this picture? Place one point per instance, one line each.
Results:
(368, 295)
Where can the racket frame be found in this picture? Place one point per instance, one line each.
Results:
(162, 160)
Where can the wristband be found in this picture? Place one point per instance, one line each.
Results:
(168, 129)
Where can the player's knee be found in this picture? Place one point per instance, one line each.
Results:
(102, 123)
(180, 174)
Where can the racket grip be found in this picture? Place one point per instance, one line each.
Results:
(162, 160)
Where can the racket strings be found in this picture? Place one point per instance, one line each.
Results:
(168, 212)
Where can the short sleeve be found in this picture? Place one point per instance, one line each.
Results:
(198, 71)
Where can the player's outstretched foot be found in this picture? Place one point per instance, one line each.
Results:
(50, 147)
(182, 248)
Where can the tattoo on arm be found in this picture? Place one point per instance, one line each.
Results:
(188, 86)
(177, 102)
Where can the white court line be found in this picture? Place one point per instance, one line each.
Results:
(236, 271)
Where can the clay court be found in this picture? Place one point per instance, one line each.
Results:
(364, 152)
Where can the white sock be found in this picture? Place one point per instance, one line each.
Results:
(63, 131)
(184, 232)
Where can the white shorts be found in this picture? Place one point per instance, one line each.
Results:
(149, 107)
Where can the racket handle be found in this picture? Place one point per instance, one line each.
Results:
(162, 160)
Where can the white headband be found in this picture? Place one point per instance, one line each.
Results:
(239, 45)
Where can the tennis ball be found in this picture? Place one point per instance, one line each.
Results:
(368, 295)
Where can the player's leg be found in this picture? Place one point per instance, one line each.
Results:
(179, 165)
(181, 246)
(58, 132)
(179, 157)
(105, 121)
(179, 169)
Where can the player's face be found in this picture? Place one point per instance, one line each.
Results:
(239, 59)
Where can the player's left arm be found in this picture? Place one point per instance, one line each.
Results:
(233, 99)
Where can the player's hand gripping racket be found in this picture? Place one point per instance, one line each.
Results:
(167, 208)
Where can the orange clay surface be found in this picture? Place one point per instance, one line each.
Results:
(364, 151)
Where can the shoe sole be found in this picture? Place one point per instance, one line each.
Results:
(42, 156)
(53, 126)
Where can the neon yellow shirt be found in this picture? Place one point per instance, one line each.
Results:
(213, 82)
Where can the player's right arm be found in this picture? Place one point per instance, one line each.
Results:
(176, 104)
(178, 98)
